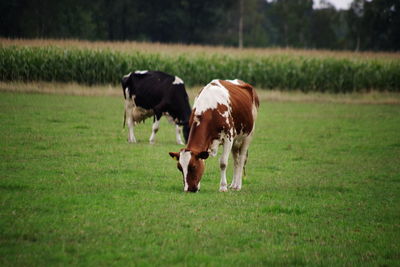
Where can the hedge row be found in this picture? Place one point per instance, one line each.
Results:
(19, 63)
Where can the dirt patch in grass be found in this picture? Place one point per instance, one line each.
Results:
(373, 97)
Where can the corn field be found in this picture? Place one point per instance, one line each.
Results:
(273, 71)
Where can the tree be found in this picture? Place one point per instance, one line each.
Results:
(322, 32)
(354, 19)
(369, 24)
(291, 20)
(381, 23)
(374, 25)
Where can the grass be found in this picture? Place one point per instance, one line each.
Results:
(322, 188)
(373, 97)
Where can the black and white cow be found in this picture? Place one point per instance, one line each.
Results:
(155, 93)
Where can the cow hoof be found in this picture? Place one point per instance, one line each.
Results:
(223, 189)
(131, 141)
(235, 188)
(152, 142)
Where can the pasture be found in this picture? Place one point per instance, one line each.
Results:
(322, 188)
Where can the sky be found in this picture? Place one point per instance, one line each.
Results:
(339, 4)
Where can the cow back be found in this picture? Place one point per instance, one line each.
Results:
(244, 101)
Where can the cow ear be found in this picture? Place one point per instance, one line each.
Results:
(202, 155)
(174, 155)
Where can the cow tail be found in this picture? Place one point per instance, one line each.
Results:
(244, 165)
(123, 126)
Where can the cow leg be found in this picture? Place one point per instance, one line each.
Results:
(235, 156)
(241, 160)
(154, 130)
(178, 134)
(131, 135)
(223, 163)
(178, 129)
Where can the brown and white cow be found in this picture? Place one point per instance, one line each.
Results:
(224, 113)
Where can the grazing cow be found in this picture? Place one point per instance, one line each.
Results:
(154, 93)
(223, 113)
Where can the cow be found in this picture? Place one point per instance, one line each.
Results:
(224, 113)
(155, 93)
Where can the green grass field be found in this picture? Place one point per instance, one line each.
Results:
(322, 188)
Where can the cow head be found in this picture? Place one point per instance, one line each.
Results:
(191, 164)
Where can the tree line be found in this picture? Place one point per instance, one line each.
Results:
(367, 25)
